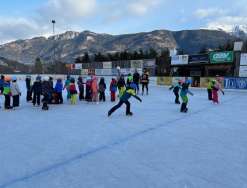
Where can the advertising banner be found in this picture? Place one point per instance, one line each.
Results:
(84, 71)
(167, 81)
(243, 60)
(149, 63)
(107, 65)
(235, 83)
(203, 58)
(135, 64)
(103, 72)
(221, 57)
(78, 66)
(180, 60)
(243, 71)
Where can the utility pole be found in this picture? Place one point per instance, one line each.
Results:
(53, 27)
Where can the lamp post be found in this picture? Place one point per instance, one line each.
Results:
(53, 27)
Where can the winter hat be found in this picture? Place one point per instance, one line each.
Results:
(14, 78)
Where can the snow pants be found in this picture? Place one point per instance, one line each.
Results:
(127, 103)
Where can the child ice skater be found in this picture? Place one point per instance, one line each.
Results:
(94, 89)
(15, 91)
(176, 88)
(184, 92)
(46, 92)
(7, 92)
(113, 89)
(36, 89)
(102, 88)
(72, 91)
(215, 88)
(59, 91)
(124, 99)
(88, 96)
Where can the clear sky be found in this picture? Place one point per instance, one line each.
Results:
(21, 19)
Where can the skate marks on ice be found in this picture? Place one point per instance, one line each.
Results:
(86, 154)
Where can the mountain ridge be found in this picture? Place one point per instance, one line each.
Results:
(69, 45)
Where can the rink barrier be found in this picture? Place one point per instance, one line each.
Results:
(202, 82)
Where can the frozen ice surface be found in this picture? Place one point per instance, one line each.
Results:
(80, 147)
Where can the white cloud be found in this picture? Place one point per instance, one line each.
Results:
(210, 12)
(227, 23)
(141, 7)
(68, 9)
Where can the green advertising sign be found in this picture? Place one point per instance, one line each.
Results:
(221, 57)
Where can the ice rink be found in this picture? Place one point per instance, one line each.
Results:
(80, 147)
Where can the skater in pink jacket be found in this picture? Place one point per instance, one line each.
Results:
(94, 89)
(215, 88)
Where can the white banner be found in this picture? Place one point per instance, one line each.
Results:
(136, 64)
(103, 72)
(107, 65)
(149, 63)
(78, 66)
(243, 60)
(180, 60)
(243, 71)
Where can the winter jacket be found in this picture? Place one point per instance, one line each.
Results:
(1, 83)
(15, 90)
(6, 89)
(59, 87)
(136, 77)
(175, 87)
(129, 93)
(113, 86)
(121, 83)
(94, 86)
(46, 88)
(67, 84)
(28, 83)
(72, 89)
(102, 87)
(145, 78)
(37, 87)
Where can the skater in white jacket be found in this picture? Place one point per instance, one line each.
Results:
(15, 92)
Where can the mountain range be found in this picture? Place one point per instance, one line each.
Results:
(69, 45)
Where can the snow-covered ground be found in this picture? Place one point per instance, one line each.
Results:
(80, 147)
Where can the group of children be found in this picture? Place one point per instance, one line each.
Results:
(10, 89)
(181, 89)
(43, 91)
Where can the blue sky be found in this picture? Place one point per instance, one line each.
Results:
(30, 18)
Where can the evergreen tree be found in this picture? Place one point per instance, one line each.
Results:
(38, 67)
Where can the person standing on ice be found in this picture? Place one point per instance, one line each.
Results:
(124, 99)
(1, 84)
(176, 88)
(113, 89)
(88, 96)
(102, 88)
(81, 88)
(7, 92)
(136, 80)
(73, 92)
(59, 91)
(184, 92)
(94, 89)
(29, 88)
(46, 89)
(209, 89)
(215, 88)
(37, 91)
(145, 81)
(15, 91)
(66, 86)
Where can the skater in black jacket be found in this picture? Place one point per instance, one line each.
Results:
(81, 88)
(29, 88)
(36, 90)
(102, 88)
(46, 89)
